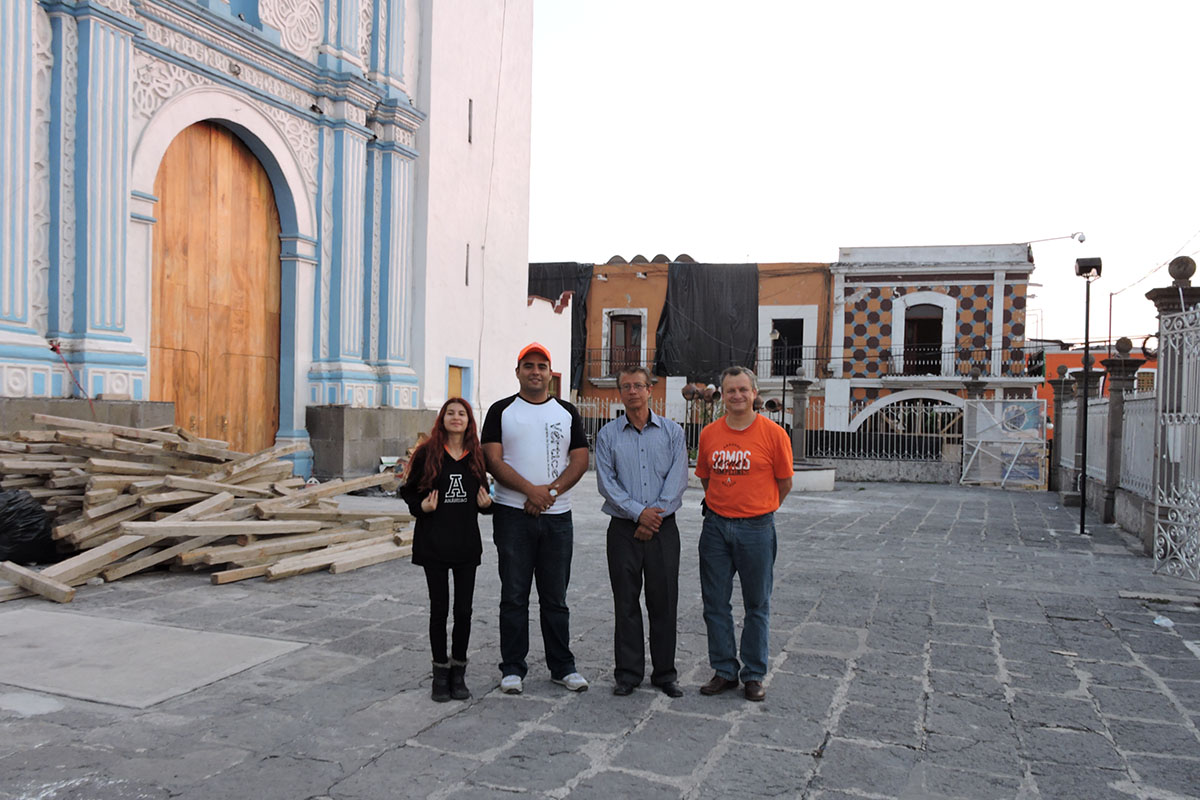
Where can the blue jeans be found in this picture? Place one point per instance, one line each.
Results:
(747, 547)
(533, 548)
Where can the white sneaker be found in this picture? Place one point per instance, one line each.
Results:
(575, 682)
(511, 684)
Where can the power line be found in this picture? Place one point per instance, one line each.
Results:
(1164, 263)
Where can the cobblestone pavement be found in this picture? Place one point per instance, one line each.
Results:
(927, 642)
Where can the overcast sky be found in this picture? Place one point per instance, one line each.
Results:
(780, 130)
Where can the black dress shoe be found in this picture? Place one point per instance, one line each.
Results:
(621, 689)
(718, 685)
(755, 691)
(671, 689)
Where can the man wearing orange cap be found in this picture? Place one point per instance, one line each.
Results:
(536, 449)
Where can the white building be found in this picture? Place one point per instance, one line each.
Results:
(248, 207)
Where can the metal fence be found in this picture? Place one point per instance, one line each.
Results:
(917, 430)
(1137, 445)
(1064, 433)
(1177, 476)
(1097, 444)
(598, 411)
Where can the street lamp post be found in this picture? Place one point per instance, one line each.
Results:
(1089, 270)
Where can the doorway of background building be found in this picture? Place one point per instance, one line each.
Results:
(923, 340)
(214, 334)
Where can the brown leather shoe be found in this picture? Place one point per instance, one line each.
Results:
(718, 685)
(755, 691)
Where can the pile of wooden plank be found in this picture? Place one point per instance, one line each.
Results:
(124, 500)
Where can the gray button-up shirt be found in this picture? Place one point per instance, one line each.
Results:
(640, 469)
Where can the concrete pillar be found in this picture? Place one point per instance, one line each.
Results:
(1122, 374)
(799, 418)
(1083, 393)
(1064, 390)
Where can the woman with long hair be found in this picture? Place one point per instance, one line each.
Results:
(446, 489)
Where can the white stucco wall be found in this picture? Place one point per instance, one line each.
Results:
(474, 193)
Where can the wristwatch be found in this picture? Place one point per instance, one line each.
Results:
(553, 492)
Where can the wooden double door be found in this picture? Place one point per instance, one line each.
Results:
(214, 335)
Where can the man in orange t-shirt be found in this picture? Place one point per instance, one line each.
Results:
(745, 464)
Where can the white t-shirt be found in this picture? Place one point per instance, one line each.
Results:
(537, 438)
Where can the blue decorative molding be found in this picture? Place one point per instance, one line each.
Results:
(16, 138)
(101, 174)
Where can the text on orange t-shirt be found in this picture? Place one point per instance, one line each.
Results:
(742, 467)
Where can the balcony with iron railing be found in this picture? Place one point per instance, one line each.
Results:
(911, 362)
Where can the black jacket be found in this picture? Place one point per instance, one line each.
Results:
(449, 536)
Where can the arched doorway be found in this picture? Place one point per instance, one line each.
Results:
(215, 289)
(923, 340)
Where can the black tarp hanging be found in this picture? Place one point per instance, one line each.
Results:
(550, 280)
(709, 320)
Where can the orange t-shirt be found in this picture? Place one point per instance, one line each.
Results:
(742, 467)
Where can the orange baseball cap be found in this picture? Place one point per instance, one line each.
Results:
(533, 347)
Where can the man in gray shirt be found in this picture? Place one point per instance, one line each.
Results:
(641, 470)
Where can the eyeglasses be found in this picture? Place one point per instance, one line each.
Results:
(625, 387)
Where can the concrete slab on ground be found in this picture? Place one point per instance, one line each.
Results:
(132, 664)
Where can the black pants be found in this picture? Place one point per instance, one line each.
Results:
(628, 561)
(438, 579)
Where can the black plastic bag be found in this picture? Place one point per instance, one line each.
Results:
(24, 529)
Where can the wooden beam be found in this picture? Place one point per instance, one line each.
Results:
(238, 574)
(103, 427)
(198, 527)
(119, 571)
(323, 490)
(215, 504)
(333, 515)
(159, 499)
(95, 512)
(200, 485)
(36, 582)
(289, 544)
(91, 562)
(247, 463)
(355, 561)
(114, 466)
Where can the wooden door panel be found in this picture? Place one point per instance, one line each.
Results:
(215, 291)
(247, 380)
(177, 379)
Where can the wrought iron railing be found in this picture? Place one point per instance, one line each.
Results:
(1137, 445)
(1097, 445)
(776, 361)
(1064, 433)
(918, 430)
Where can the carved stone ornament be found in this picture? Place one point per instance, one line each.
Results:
(298, 23)
(190, 43)
(39, 242)
(67, 216)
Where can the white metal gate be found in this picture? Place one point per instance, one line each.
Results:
(1005, 443)
(1177, 469)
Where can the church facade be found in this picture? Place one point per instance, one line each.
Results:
(225, 204)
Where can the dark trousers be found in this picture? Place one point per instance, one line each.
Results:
(658, 561)
(438, 580)
(530, 548)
